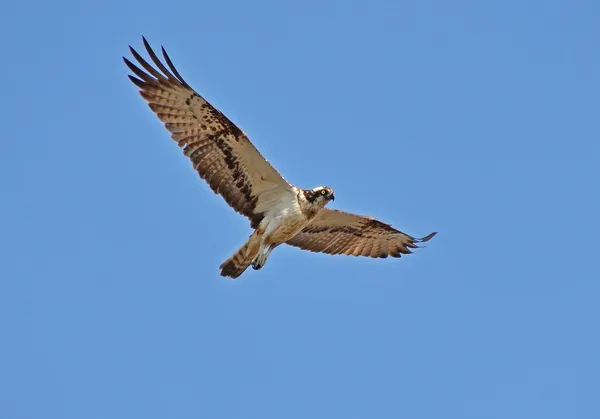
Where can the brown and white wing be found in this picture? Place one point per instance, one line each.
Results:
(337, 232)
(219, 150)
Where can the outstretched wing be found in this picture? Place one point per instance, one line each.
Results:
(337, 232)
(220, 151)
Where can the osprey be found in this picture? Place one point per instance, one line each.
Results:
(226, 159)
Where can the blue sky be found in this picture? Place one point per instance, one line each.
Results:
(478, 120)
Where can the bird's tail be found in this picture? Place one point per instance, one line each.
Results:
(240, 260)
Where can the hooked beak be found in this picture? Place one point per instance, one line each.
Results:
(331, 197)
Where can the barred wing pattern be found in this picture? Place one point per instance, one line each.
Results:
(337, 232)
(219, 150)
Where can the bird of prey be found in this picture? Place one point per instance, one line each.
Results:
(225, 158)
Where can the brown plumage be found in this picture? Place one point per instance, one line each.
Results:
(337, 232)
(220, 151)
(225, 158)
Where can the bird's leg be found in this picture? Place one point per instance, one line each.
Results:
(261, 258)
(261, 249)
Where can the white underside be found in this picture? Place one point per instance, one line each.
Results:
(282, 221)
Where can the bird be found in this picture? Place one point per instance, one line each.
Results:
(278, 212)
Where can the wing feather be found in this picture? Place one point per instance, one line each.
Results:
(220, 152)
(337, 232)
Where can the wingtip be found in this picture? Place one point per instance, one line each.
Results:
(428, 237)
(167, 58)
(131, 65)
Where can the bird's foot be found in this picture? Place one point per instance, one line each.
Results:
(259, 261)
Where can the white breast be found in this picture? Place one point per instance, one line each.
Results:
(283, 220)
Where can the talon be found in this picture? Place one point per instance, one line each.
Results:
(259, 261)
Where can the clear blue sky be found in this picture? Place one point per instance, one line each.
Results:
(478, 120)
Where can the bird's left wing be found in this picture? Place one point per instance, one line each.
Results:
(337, 232)
(220, 151)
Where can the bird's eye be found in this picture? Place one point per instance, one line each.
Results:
(323, 191)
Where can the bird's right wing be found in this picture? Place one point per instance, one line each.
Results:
(337, 232)
(219, 150)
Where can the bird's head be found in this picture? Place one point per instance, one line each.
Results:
(322, 195)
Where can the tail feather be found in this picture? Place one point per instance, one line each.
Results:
(240, 260)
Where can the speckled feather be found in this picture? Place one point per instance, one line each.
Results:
(225, 158)
(219, 150)
(337, 232)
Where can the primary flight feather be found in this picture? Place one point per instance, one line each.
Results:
(226, 159)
